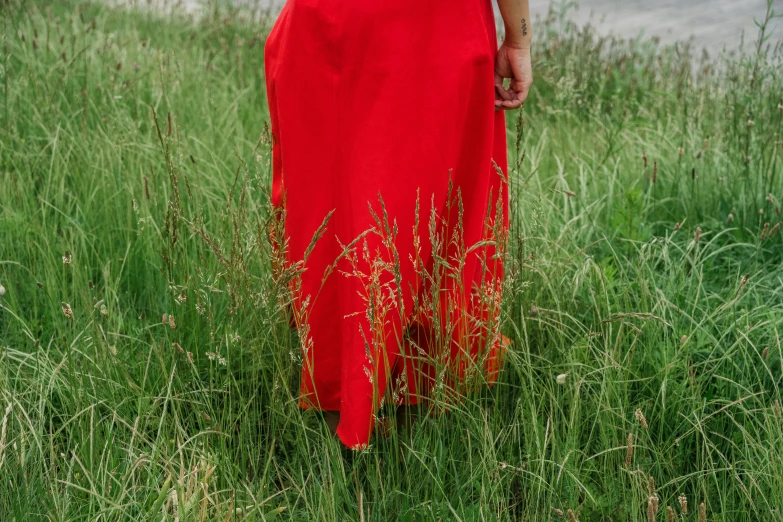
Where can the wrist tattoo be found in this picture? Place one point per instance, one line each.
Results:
(524, 27)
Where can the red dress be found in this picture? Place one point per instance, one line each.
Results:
(389, 164)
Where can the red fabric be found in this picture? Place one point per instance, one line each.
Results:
(393, 98)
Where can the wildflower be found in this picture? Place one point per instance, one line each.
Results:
(561, 379)
(67, 310)
(67, 258)
(683, 504)
(640, 418)
(629, 451)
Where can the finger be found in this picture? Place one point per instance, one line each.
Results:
(524, 91)
(502, 93)
(511, 104)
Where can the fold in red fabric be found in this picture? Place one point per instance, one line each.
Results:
(390, 169)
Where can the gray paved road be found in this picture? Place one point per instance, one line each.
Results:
(712, 23)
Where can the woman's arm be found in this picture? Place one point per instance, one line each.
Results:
(513, 58)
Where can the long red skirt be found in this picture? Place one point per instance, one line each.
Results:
(389, 167)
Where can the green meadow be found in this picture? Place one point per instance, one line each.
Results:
(644, 289)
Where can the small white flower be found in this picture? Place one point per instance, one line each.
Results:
(561, 379)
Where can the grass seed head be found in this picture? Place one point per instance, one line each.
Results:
(683, 504)
(683, 339)
(697, 235)
(774, 230)
(640, 418)
(629, 451)
(669, 514)
(765, 353)
(572, 516)
(561, 379)
(765, 231)
(655, 172)
(702, 512)
(652, 508)
(67, 310)
(172, 324)
(558, 512)
(776, 407)
(730, 219)
(67, 258)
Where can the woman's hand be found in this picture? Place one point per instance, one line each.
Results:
(514, 63)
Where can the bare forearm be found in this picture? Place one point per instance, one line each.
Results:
(516, 18)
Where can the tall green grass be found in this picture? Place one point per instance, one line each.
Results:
(644, 293)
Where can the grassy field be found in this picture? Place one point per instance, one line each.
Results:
(646, 272)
